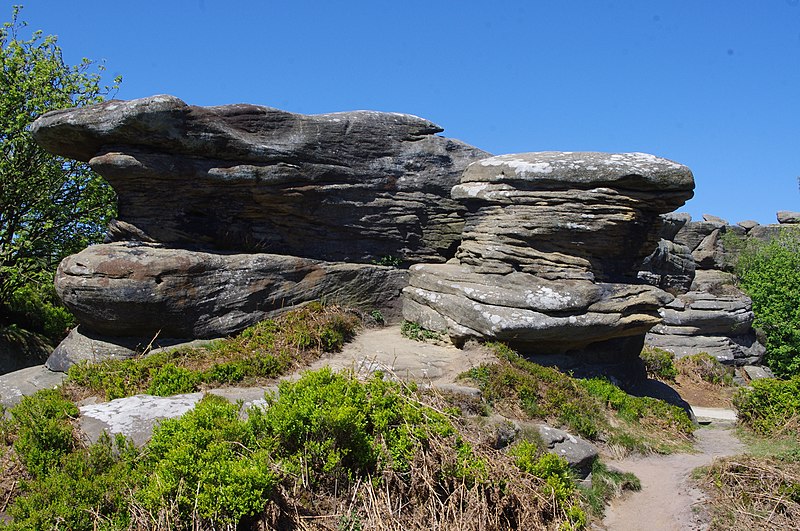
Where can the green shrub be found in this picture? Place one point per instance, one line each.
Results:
(770, 274)
(35, 307)
(265, 350)
(557, 475)
(43, 430)
(591, 408)
(170, 380)
(769, 406)
(209, 463)
(91, 486)
(659, 363)
(330, 427)
(415, 331)
(706, 367)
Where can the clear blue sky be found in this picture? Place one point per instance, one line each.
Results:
(713, 84)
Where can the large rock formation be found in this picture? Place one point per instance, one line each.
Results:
(549, 254)
(709, 313)
(353, 186)
(231, 214)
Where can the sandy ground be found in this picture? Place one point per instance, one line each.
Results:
(668, 500)
(385, 349)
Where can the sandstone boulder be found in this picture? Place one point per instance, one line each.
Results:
(549, 254)
(536, 315)
(142, 289)
(714, 317)
(787, 217)
(353, 186)
(567, 215)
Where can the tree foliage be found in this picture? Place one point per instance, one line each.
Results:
(769, 273)
(50, 206)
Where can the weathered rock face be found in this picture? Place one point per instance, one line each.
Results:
(549, 254)
(354, 186)
(714, 317)
(128, 289)
(536, 315)
(559, 215)
(314, 201)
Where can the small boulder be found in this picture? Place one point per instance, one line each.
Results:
(786, 217)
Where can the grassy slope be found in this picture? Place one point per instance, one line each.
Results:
(329, 453)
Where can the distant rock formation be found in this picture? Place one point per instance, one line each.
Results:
(230, 214)
(709, 313)
(549, 255)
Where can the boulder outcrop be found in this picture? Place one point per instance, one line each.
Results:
(709, 313)
(352, 186)
(549, 253)
(230, 214)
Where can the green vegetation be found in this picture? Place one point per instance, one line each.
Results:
(326, 446)
(705, 367)
(607, 485)
(50, 206)
(388, 260)
(770, 274)
(595, 409)
(659, 363)
(414, 331)
(770, 407)
(265, 350)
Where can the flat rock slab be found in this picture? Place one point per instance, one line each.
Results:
(386, 349)
(134, 416)
(25, 382)
(714, 413)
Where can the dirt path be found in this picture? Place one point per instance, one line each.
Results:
(668, 501)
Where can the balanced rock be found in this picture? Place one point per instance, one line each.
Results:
(559, 215)
(787, 217)
(549, 253)
(354, 186)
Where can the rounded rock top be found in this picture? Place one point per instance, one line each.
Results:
(564, 169)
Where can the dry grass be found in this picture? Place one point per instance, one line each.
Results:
(750, 492)
(422, 500)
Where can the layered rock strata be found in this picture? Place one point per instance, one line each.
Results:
(231, 214)
(709, 313)
(352, 186)
(549, 254)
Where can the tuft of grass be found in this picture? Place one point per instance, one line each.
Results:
(595, 409)
(606, 485)
(749, 492)
(265, 350)
(705, 367)
(414, 331)
(659, 363)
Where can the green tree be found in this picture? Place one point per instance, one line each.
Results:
(769, 273)
(50, 206)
